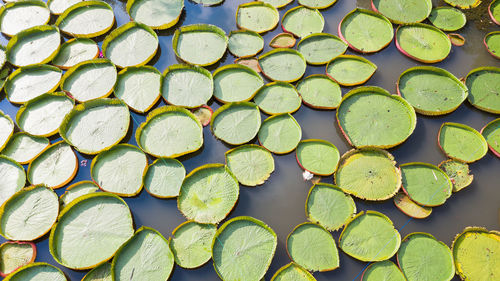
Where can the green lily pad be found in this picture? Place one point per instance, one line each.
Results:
(458, 172)
(370, 236)
(328, 206)
(243, 249)
(447, 18)
(410, 208)
(100, 273)
(403, 11)
(157, 14)
(278, 97)
(302, 21)
(456, 39)
(461, 142)
(163, 178)
(278, 3)
(491, 133)
(383, 270)
(245, 43)
(39, 44)
(187, 85)
(492, 43)
(20, 15)
(312, 247)
(320, 48)
(3, 59)
(208, 2)
(369, 174)
(191, 244)
(6, 129)
(280, 133)
(431, 90)
(75, 51)
(235, 82)
(292, 272)
(484, 88)
(423, 42)
(283, 40)
(76, 190)
(318, 157)
(170, 131)
(57, 7)
(257, 16)
(236, 123)
(29, 82)
(251, 164)
(349, 70)
(319, 91)
(13, 176)
(366, 31)
(283, 64)
(86, 19)
(494, 11)
(317, 4)
(15, 255)
(23, 147)
(139, 87)
(422, 257)
(208, 193)
(37, 271)
(464, 4)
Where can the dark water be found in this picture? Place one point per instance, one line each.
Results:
(280, 201)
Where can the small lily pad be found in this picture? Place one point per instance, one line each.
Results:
(257, 16)
(203, 114)
(235, 82)
(484, 88)
(458, 172)
(494, 11)
(6, 129)
(39, 44)
(187, 85)
(464, 4)
(283, 40)
(191, 244)
(403, 11)
(245, 43)
(77, 190)
(208, 2)
(15, 255)
(139, 87)
(236, 123)
(319, 157)
(20, 15)
(251, 164)
(253, 63)
(423, 42)
(292, 272)
(491, 133)
(13, 176)
(157, 14)
(29, 82)
(278, 97)
(280, 133)
(283, 64)
(75, 51)
(100, 273)
(410, 208)
(461, 142)
(163, 178)
(86, 19)
(37, 271)
(447, 18)
(23, 147)
(302, 21)
(320, 48)
(349, 70)
(456, 39)
(319, 91)
(383, 270)
(492, 43)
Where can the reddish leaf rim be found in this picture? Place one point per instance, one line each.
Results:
(424, 26)
(493, 33)
(496, 153)
(33, 246)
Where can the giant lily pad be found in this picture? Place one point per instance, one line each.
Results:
(403, 11)
(75, 51)
(139, 87)
(96, 125)
(319, 91)
(163, 178)
(317, 4)
(251, 164)
(383, 270)
(292, 272)
(18, 16)
(447, 18)
(257, 16)
(76, 190)
(235, 82)
(422, 257)
(120, 169)
(191, 244)
(29, 82)
(410, 208)
(170, 131)
(458, 172)
(245, 43)
(302, 21)
(370, 116)
(349, 70)
(15, 255)
(100, 273)
(484, 88)
(464, 4)
(90, 230)
(6, 129)
(236, 123)
(157, 14)
(492, 43)
(320, 48)
(319, 157)
(243, 249)
(29, 214)
(431, 90)
(369, 174)
(283, 64)
(37, 271)
(23, 147)
(187, 85)
(494, 11)
(86, 19)
(278, 97)
(461, 142)
(491, 133)
(422, 42)
(280, 133)
(13, 178)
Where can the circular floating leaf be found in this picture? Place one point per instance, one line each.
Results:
(461, 142)
(491, 133)
(15, 255)
(75, 51)
(278, 97)
(236, 123)
(37, 271)
(23, 147)
(235, 83)
(456, 39)
(317, 4)
(157, 14)
(319, 91)
(187, 85)
(422, 257)
(163, 178)
(476, 254)
(29, 214)
(366, 31)
(403, 11)
(191, 244)
(57, 7)
(100, 273)
(410, 208)
(13, 178)
(243, 249)
(208, 193)
(208, 2)
(139, 87)
(328, 206)
(257, 16)
(170, 131)
(447, 18)
(431, 90)
(18, 16)
(203, 114)
(484, 88)
(278, 3)
(369, 174)
(494, 11)
(458, 172)
(43, 115)
(6, 129)
(284, 65)
(464, 4)
(371, 116)
(383, 270)
(253, 63)
(96, 125)
(145, 256)
(245, 43)
(422, 42)
(251, 164)
(370, 236)
(292, 272)
(86, 19)
(312, 247)
(90, 230)
(77, 190)
(320, 48)
(492, 43)
(318, 157)
(283, 40)
(302, 21)
(90, 80)
(349, 70)
(280, 133)
(119, 170)
(200, 44)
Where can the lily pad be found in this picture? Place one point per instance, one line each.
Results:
(13, 178)
(280, 133)
(157, 14)
(23, 147)
(253, 63)
(200, 44)
(366, 31)
(422, 257)
(139, 87)
(312, 247)
(491, 133)
(245, 43)
(6, 129)
(492, 43)
(243, 249)
(278, 3)
(410, 208)
(329, 206)
(461, 142)
(494, 11)
(383, 270)
(458, 172)
(278, 97)
(431, 90)
(292, 272)
(283, 64)
(94, 126)
(369, 174)
(76, 190)
(257, 16)
(37, 271)
(283, 40)
(57, 7)
(423, 42)
(235, 82)
(90, 80)
(203, 114)
(29, 214)
(86, 19)
(319, 91)
(236, 123)
(318, 157)
(317, 4)
(302, 21)
(163, 178)
(349, 70)
(484, 88)
(75, 51)
(208, 2)
(456, 39)
(251, 164)
(100, 273)
(208, 193)
(464, 4)
(119, 170)
(191, 244)
(15, 255)
(320, 48)
(403, 11)
(447, 18)
(370, 236)
(187, 85)
(18, 16)
(90, 230)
